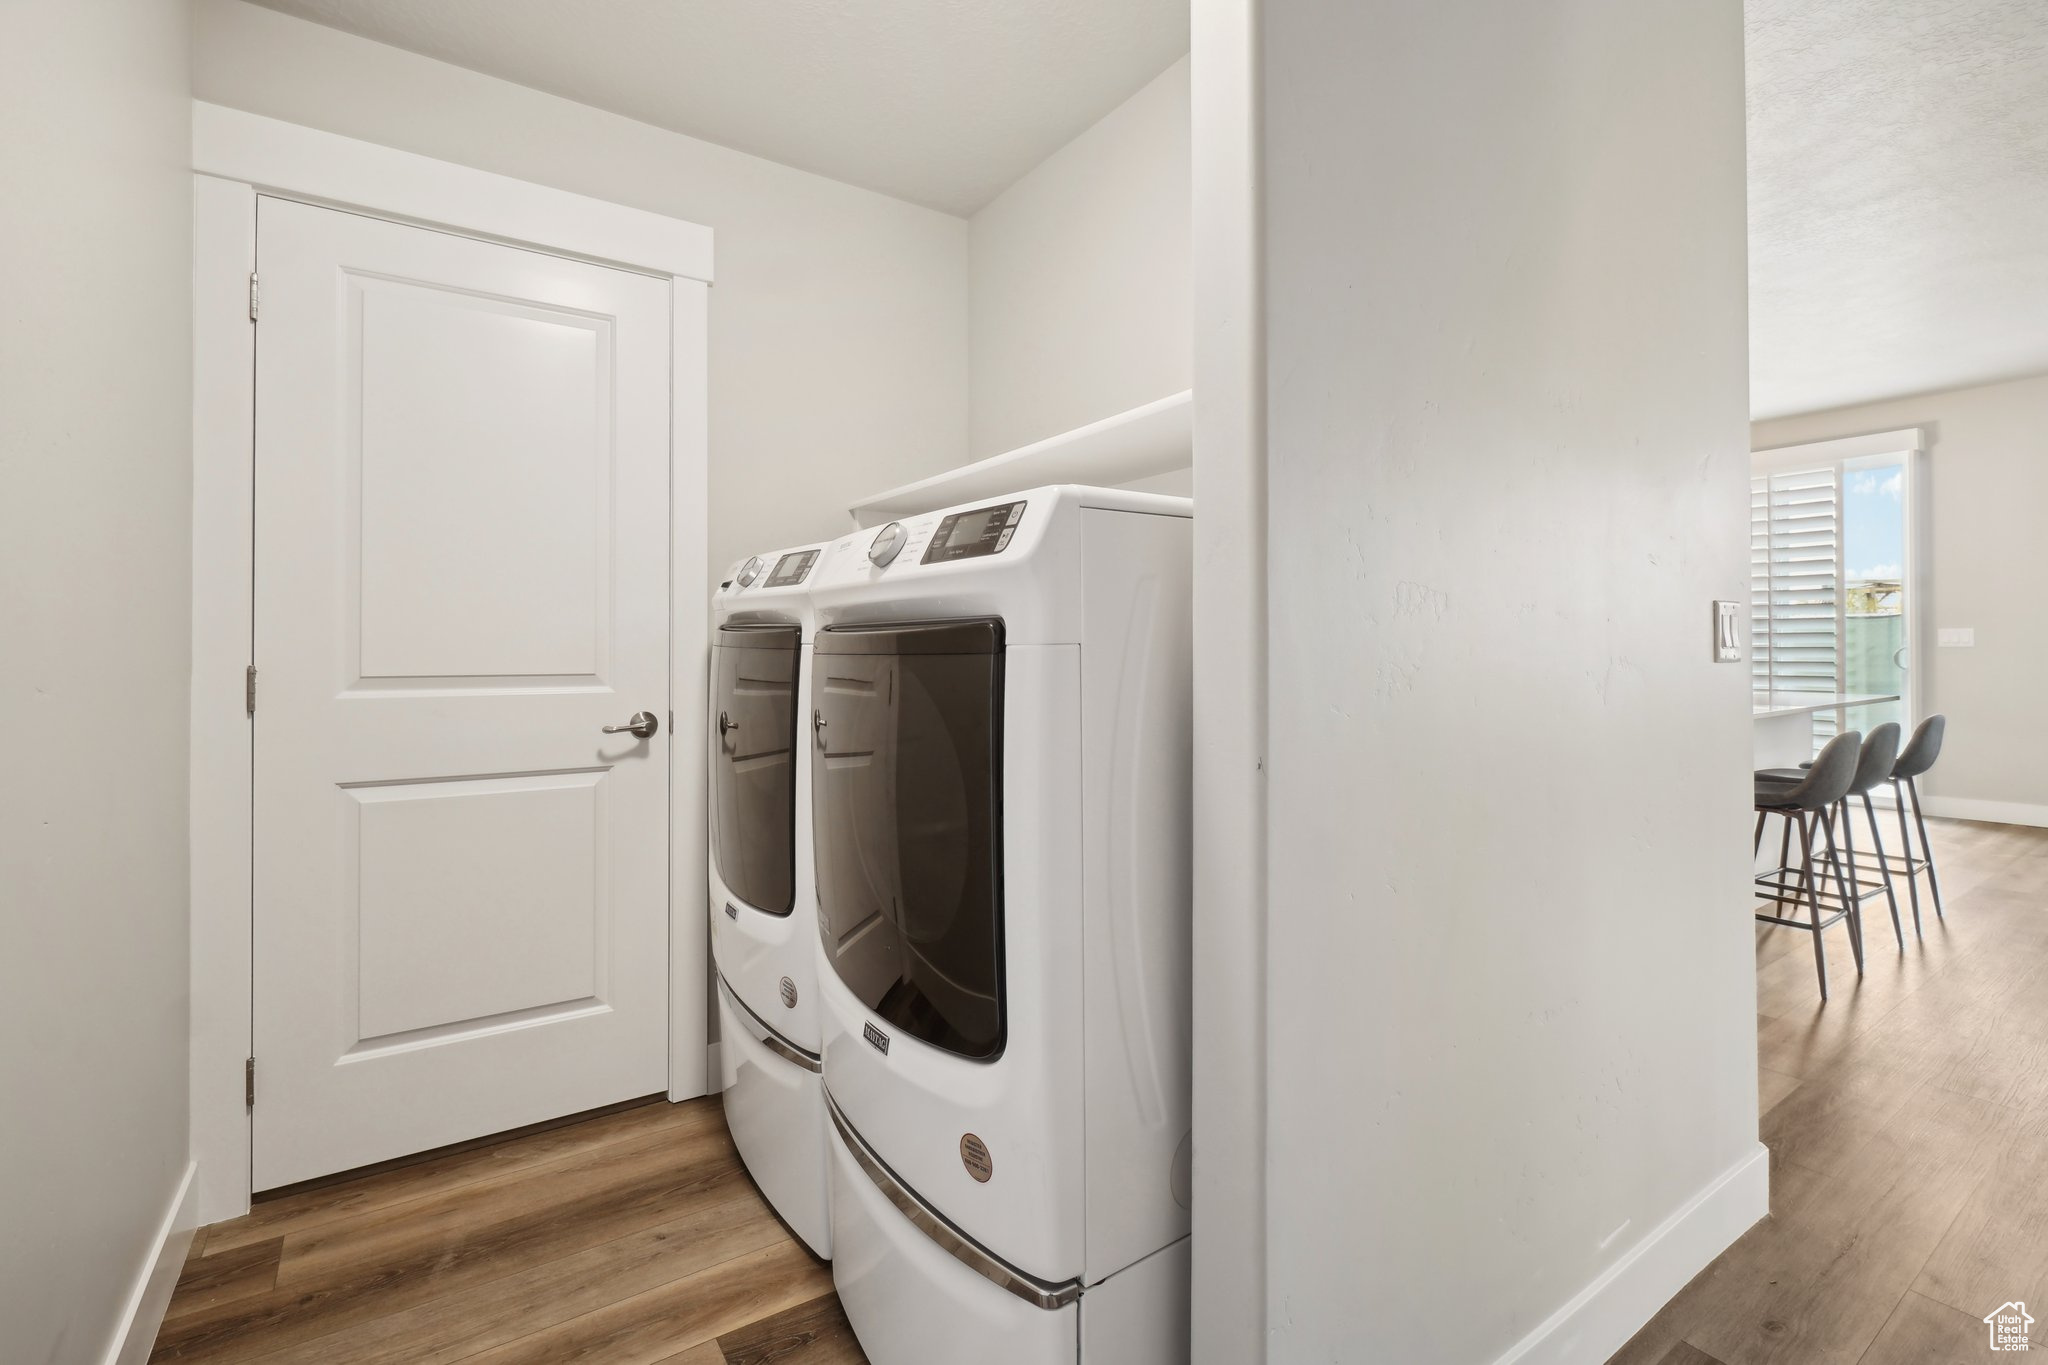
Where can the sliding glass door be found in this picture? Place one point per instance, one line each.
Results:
(1874, 648)
(1831, 576)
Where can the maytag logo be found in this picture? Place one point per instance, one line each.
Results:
(731, 911)
(879, 1039)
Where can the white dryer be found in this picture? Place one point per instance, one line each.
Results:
(763, 900)
(1001, 743)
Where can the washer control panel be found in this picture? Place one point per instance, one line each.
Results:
(973, 533)
(792, 568)
(780, 573)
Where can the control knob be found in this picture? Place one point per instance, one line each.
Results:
(887, 544)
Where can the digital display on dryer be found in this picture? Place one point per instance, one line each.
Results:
(791, 569)
(983, 531)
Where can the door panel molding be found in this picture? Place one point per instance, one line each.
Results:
(236, 156)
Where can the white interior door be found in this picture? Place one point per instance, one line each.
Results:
(462, 565)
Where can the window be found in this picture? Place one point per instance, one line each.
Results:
(1831, 596)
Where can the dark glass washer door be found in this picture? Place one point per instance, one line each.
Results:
(906, 781)
(753, 763)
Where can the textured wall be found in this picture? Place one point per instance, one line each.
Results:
(95, 628)
(1511, 1005)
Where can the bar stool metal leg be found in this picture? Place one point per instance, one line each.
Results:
(1906, 837)
(1785, 845)
(1784, 872)
(1820, 949)
(1849, 887)
(1926, 848)
(1885, 869)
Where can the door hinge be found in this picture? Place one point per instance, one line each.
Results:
(249, 1084)
(249, 690)
(255, 295)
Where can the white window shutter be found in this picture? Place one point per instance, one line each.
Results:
(1795, 547)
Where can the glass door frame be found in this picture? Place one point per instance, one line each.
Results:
(1845, 454)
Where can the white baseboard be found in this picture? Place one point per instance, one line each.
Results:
(150, 1295)
(1991, 812)
(1601, 1318)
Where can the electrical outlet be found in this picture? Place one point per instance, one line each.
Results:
(1957, 637)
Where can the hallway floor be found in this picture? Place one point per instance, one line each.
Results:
(631, 1237)
(1908, 1126)
(1907, 1122)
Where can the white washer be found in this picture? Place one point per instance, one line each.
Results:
(763, 896)
(1001, 750)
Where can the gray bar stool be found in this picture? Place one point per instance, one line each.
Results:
(1874, 764)
(1807, 803)
(1917, 758)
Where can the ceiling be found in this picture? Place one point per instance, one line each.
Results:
(1898, 149)
(1898, 197)
(941, 102)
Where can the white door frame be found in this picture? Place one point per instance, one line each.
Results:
(235, 158)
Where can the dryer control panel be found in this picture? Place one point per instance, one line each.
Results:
(972, 533)
(1024, 556)
(937, 539)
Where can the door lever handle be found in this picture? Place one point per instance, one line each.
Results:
(726, 723)
(643, 724)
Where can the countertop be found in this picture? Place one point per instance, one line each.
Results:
(1770, 705)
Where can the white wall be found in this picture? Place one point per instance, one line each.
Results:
(839, 319)
(95, 571)
(1986, 486)
(1081, 300)
(1229, 1248)
(1511, 995)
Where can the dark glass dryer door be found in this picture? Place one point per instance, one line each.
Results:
(906, 781)
(753, 764)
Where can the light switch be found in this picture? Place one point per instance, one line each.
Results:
(1727, 639)
(1957, 637)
